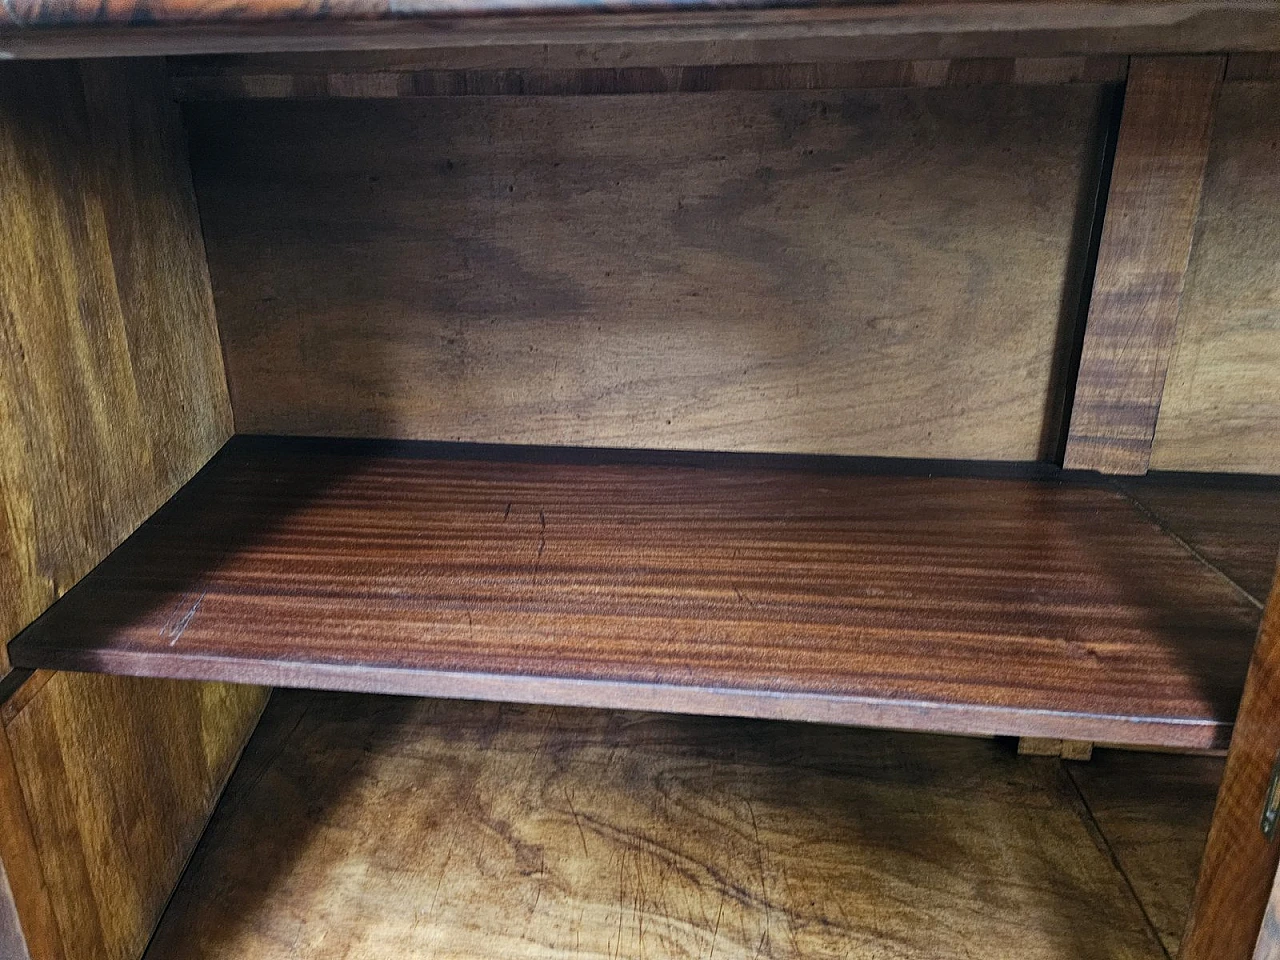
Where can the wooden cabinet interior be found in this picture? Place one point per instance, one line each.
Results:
(967, 265)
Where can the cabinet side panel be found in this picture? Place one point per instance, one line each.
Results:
(111, 386)
(1239, 862)
(117, 778)
(865, 272)
(1221, 407)
(111, 396)
(12, 944)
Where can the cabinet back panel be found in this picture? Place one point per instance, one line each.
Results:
(886, 272)
(1221, 406)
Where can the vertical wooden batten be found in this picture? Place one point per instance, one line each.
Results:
(112, 395)
(1159, 167)
(1240, 862)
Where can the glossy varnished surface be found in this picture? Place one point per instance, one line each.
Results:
(949, 603)
(388, 828)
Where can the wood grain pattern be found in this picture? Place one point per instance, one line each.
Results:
(111, 386)
(1060, 16)
(1239, 532)
(112, 780)
(1268, 945)
(1146, 241)
(1051, 747)
(32, 897)
(945, 603)
(876, 272)
(1251, 67)
(382, 827)
(1154, 811)
(311, 69)
(383, 77)
(1239, 862)
(13, 944)
(749, 34)
(111, 397)
(1221, 409)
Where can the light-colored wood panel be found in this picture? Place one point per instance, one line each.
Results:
(111, 396)
(1053, 747)
(1154, 196)
(1239, 863)
(404, 75)
(1154, 811)
(372, 827)
(878, 272)
(116, 778)
(1221, 408)
(32, 898)
(111, 385)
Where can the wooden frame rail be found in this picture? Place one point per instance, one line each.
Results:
(694, 32)
(1239, 863)
(1156, 181)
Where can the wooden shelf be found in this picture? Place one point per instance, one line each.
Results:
(1034, 607)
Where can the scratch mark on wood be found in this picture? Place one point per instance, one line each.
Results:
(178, 629)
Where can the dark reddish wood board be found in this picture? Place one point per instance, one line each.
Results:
(1028, 15)
(677, 32)
(977, 605)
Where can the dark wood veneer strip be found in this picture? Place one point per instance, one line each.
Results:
(682, 32)
(1156, 180)
(963, 604)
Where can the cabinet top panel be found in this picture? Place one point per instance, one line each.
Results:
(704, 31)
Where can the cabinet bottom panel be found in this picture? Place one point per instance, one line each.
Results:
(363, 826)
